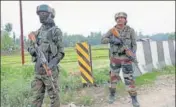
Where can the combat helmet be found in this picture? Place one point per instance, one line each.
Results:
(45, 8)
(120, 14)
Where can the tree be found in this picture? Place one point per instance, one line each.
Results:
(6, 40)
(14, 37)
(171, 36)
(8, 27)
(94, 38)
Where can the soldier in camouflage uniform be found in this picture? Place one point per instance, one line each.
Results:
(49, 39)
(118, 58)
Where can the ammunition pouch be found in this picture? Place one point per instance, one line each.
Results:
(121, 53)
(117, 49)
(53, 49)
(44, 47)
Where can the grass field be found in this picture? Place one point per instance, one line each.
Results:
(99, 53)
(16, 79)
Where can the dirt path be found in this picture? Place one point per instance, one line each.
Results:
(160, 94)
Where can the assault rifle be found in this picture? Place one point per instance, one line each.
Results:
(128, 51)
(41, 57)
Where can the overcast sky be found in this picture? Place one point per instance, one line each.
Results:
(82, 17)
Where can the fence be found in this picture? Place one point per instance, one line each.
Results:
(155, 54)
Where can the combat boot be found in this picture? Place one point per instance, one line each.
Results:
(112, 95)
(134, 101)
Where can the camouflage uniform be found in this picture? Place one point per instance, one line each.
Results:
(119, 60)
(49, 39)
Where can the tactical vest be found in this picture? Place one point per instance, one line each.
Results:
(46, 42)
(126, 38)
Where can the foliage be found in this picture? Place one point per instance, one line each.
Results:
(8, 27)
(70, 40)
(16, 79)
(6, 41)
(172, 36)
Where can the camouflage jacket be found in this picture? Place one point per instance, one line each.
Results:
(128, 37)
(50, 42)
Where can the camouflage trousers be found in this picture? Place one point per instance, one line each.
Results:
(41, 83)
(127, 69)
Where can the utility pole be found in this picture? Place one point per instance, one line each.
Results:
(21, 25)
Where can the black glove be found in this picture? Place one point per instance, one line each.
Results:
(53, 63)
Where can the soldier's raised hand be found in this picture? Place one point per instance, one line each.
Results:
(49, 72)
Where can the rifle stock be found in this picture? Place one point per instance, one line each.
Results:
(42, 58)
(115, 32)
(128, 52)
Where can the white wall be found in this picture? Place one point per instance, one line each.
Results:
(154, 53)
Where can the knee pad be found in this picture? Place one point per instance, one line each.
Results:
(127, 69)
(113, 84)
(132, 92)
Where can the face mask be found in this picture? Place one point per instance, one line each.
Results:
(43, 16)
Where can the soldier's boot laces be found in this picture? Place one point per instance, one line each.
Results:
(135, 101)
(112, 97)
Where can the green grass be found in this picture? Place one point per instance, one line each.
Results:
(148, 78)
(69, 61)
(101, 77)
(15, 85)
(16, 79)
